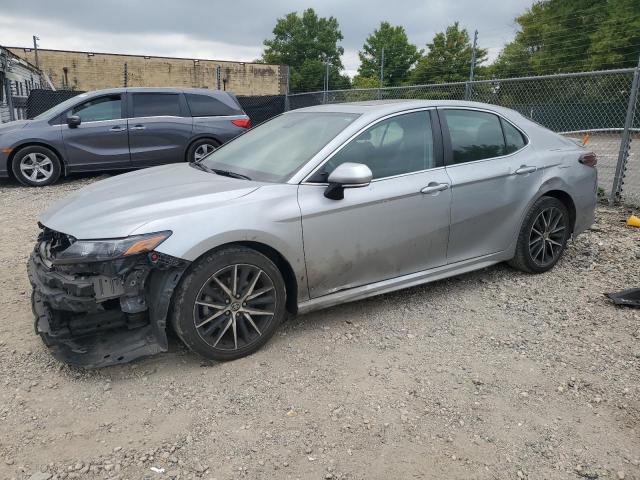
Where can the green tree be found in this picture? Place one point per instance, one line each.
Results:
(448, 58)
(399, 55)
(306, 43)
(557, 36)
(365, 82)
(616, 43)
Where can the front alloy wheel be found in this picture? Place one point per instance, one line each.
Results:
(229, 303)
(234, 307)
(36, 166)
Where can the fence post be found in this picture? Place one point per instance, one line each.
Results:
(7, 86)
(625, 143)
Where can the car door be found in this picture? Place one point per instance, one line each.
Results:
(160, 128)
(397, 225)
(494, 175)
(101, 140)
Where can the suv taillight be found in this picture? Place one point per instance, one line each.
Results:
(242, 122)
(588, 159)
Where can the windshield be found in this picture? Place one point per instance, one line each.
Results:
(275, 149)
(61, 107)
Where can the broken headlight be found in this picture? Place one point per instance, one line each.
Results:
(108, 249)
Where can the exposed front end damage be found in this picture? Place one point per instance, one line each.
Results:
(101, 313)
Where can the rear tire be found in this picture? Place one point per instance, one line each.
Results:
(229, 304)
(543, 236)
(200, 149)
(36, 166)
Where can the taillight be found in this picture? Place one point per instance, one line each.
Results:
(242, 122)
(588, 159)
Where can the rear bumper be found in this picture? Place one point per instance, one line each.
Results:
(585, 204)
(103, 314)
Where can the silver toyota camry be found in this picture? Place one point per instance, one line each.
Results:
(313, 208)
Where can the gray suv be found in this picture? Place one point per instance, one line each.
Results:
(121, 128)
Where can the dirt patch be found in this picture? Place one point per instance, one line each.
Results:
(494, 374)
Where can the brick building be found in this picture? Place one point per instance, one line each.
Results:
(92, 71)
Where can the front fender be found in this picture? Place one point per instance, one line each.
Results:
(269, 216)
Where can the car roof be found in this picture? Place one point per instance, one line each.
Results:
(202, 91)
(385, 107)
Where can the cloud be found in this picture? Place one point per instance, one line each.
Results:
(235, 30)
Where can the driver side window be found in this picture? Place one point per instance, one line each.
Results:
(398, 145)
(98, 109)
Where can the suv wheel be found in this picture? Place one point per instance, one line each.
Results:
(229, 304)
(543, 236)
(201, 149)
(36, 166)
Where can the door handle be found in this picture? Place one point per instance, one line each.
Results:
(117, 128)
(523, 170)
(137, 127)
(434, 187)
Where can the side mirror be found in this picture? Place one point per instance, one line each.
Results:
(347, 175)
(73, 121)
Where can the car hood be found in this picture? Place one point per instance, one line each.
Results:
(15, 125)
(121, 205)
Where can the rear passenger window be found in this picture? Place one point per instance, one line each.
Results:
(208, 106)
(513, 138)
(156, 104)
(474, 135)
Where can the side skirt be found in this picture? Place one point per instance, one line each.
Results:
(399, 283)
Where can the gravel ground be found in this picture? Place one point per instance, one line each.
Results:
(494, 374)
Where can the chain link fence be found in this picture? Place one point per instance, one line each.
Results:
(601, 109)
(587, 107)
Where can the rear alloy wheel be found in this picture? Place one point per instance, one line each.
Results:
(201, 149)
(36, 166)
(230, 304)
(543, 236)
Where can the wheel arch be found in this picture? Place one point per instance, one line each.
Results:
(203, 136)
(34, 143)
(283, 265)
(567, 201)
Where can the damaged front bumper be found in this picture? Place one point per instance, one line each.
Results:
(103, 313)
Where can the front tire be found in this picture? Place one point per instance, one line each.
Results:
(36, 166)
(229, 304)
(543, 236)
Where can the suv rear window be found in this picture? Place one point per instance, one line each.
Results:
(207, 106)
(156, 105)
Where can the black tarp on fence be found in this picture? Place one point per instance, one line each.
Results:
(262, 108)
(41, 100)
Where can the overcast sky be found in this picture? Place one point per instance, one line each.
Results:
(234, 30)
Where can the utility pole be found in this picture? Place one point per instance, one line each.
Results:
(382, 68)
(35, 49)
(468, 91)
(287, 105)
(326, 81)
(381, 73)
